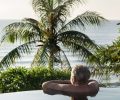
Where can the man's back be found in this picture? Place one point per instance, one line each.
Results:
(79, 98)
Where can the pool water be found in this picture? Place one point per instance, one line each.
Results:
(104, 94)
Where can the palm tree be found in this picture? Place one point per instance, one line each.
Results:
(109, 60)
(50, 33)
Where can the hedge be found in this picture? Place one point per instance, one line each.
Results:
(22, 79)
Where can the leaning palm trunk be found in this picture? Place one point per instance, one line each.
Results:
(52, 31)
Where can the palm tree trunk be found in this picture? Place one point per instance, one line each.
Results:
(50, 62)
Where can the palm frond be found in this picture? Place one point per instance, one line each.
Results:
(77, 38)
(65, 61)
(61, 11)
(21, 31)
(79, 44)
(31, 21)
(87, 18)
(73, 2)
(15, 54)
(91, 18)
(60, 2)
(109, 57)
(40, 57)
(78, 50)
(59, 15)
(41, 7)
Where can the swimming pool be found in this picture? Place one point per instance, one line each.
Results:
(104, 94)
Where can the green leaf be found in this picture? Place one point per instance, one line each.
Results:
(15, 54)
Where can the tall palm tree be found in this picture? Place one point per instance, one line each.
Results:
(51, 32)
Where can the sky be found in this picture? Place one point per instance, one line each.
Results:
(18, 9)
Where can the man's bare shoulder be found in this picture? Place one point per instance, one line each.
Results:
(93, 83)
(94, 87)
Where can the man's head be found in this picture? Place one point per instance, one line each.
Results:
(80, 74)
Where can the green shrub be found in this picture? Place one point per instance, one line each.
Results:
(13, 79)
(21, 79)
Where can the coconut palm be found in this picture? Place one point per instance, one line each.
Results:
(50, 33)
(109, 59)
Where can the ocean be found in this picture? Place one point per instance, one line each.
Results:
(102, 35)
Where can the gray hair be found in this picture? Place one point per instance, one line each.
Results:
(82, 72)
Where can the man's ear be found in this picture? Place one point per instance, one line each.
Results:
(72, 79)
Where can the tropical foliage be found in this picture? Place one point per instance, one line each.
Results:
(50, 33)
(23, 79)
(109, 59)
